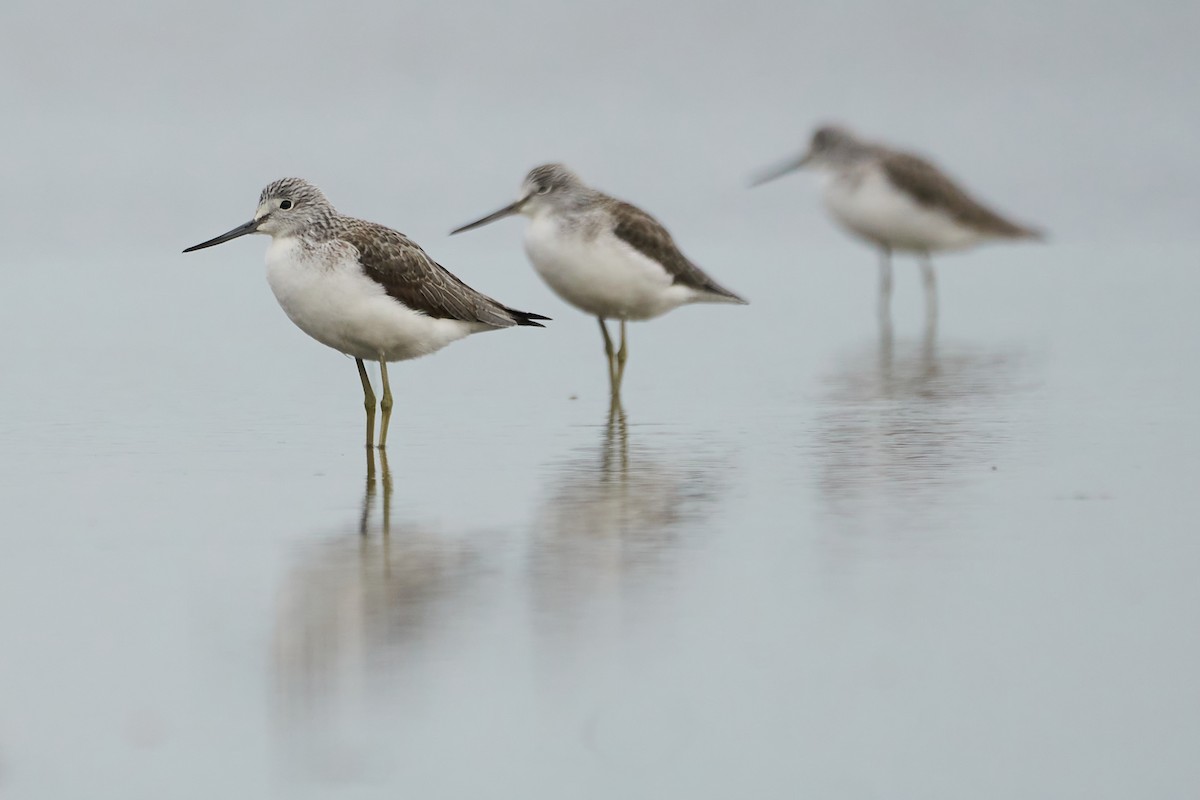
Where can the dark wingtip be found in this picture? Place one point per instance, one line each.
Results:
(527, 318)
(734, 297)
(720, 294)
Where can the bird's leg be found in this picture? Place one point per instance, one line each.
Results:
(608, 351)
(369, 405)
(885, 285)
(385, 404)
(622, 354)
(930, 280)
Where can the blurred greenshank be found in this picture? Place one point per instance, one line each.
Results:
(897, 201)
(604, 256)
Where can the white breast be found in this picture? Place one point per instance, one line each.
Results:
(870, 206)
(598, 273)
(324, 291)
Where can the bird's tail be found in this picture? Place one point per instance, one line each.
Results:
(526, 318)
(1029, 232)
(722, 297)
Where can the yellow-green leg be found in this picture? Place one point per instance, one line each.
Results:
(622, 354)
(369, 405)
(385, 405)
(611, 353)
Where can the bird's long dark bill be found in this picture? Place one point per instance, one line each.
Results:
(780, 170)
(240, 230)
(507, 211)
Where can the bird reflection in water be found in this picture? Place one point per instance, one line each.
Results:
(362, 612)
(906, 424)
(615, 522)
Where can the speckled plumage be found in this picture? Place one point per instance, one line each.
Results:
(604, 256)
(363, 289)
(395, 262)
(648, 236)
(932, 188)
(596, 212)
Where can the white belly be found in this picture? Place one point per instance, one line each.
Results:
(328, 297)
(601, 274)
(870, 206)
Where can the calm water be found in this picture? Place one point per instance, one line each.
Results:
(814, 557)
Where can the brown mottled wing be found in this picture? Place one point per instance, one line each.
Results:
(932, 189)
(645, 234)
(409, 275)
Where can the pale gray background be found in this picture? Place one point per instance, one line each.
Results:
(827, 569)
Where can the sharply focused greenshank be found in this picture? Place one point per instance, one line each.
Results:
(898, 201)
(604, 256)
(363, 289)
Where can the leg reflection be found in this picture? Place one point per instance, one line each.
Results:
(885, 286)
(929, 280)
(385, 475)
(929, 355)
(887, 346)
(364, 523)
(614, 456)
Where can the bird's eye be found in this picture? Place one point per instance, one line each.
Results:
(285, 204)
(544, 188)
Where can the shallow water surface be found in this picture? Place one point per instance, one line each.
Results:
(895, 559)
